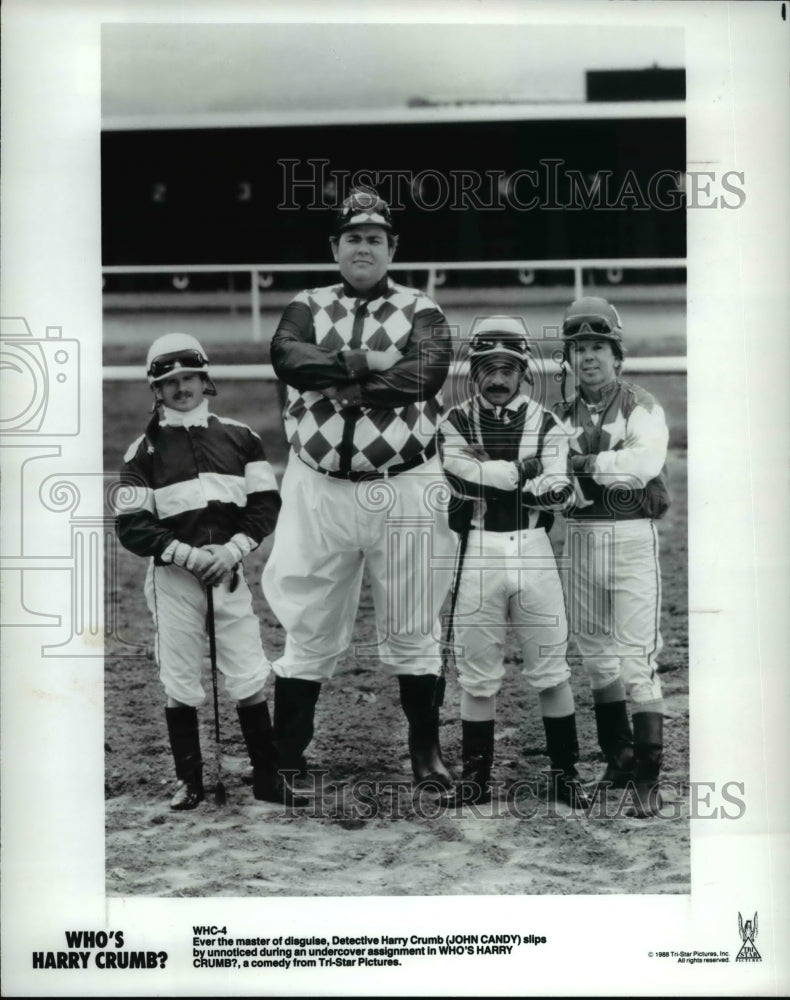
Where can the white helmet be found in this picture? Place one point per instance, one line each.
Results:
(174, 353)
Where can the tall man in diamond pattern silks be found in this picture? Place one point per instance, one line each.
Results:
(364, 361)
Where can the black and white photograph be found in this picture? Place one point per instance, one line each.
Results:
(394, 561)
(509, 214)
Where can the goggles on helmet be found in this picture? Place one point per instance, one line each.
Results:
(600, 325)
(179, 361)
(484, 344)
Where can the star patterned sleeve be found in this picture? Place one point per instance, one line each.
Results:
(640, 449)
(552, 488)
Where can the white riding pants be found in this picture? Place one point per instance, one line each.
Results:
(613, 595)
(510, 580)
(327, 531)
(177, 601)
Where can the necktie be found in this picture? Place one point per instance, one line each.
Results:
(352, 414)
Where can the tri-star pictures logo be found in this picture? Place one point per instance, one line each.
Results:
(748, 932)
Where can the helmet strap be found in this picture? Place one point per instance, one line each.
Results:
(563, 380)
(152, 430)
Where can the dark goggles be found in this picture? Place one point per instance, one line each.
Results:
(588, 324)
(498, 342)
(180, 361)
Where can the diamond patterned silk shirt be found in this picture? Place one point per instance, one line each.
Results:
(379, 419)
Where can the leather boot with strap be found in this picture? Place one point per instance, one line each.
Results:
(417, 693)
(267, 783)
(477, 755)
(182, 729)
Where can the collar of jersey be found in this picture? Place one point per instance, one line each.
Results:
(378, 291)
(515, 404)
(194, 418)
(604, 399)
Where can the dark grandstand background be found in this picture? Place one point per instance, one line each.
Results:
(215, 195)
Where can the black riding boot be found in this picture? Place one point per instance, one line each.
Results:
(267, 783)
(649, 752)
(294, 711)
(417, 698)
(562, 745)
(616, 742)
(182, 728)
(477, 754)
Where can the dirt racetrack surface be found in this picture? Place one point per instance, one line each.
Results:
(367, 833)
